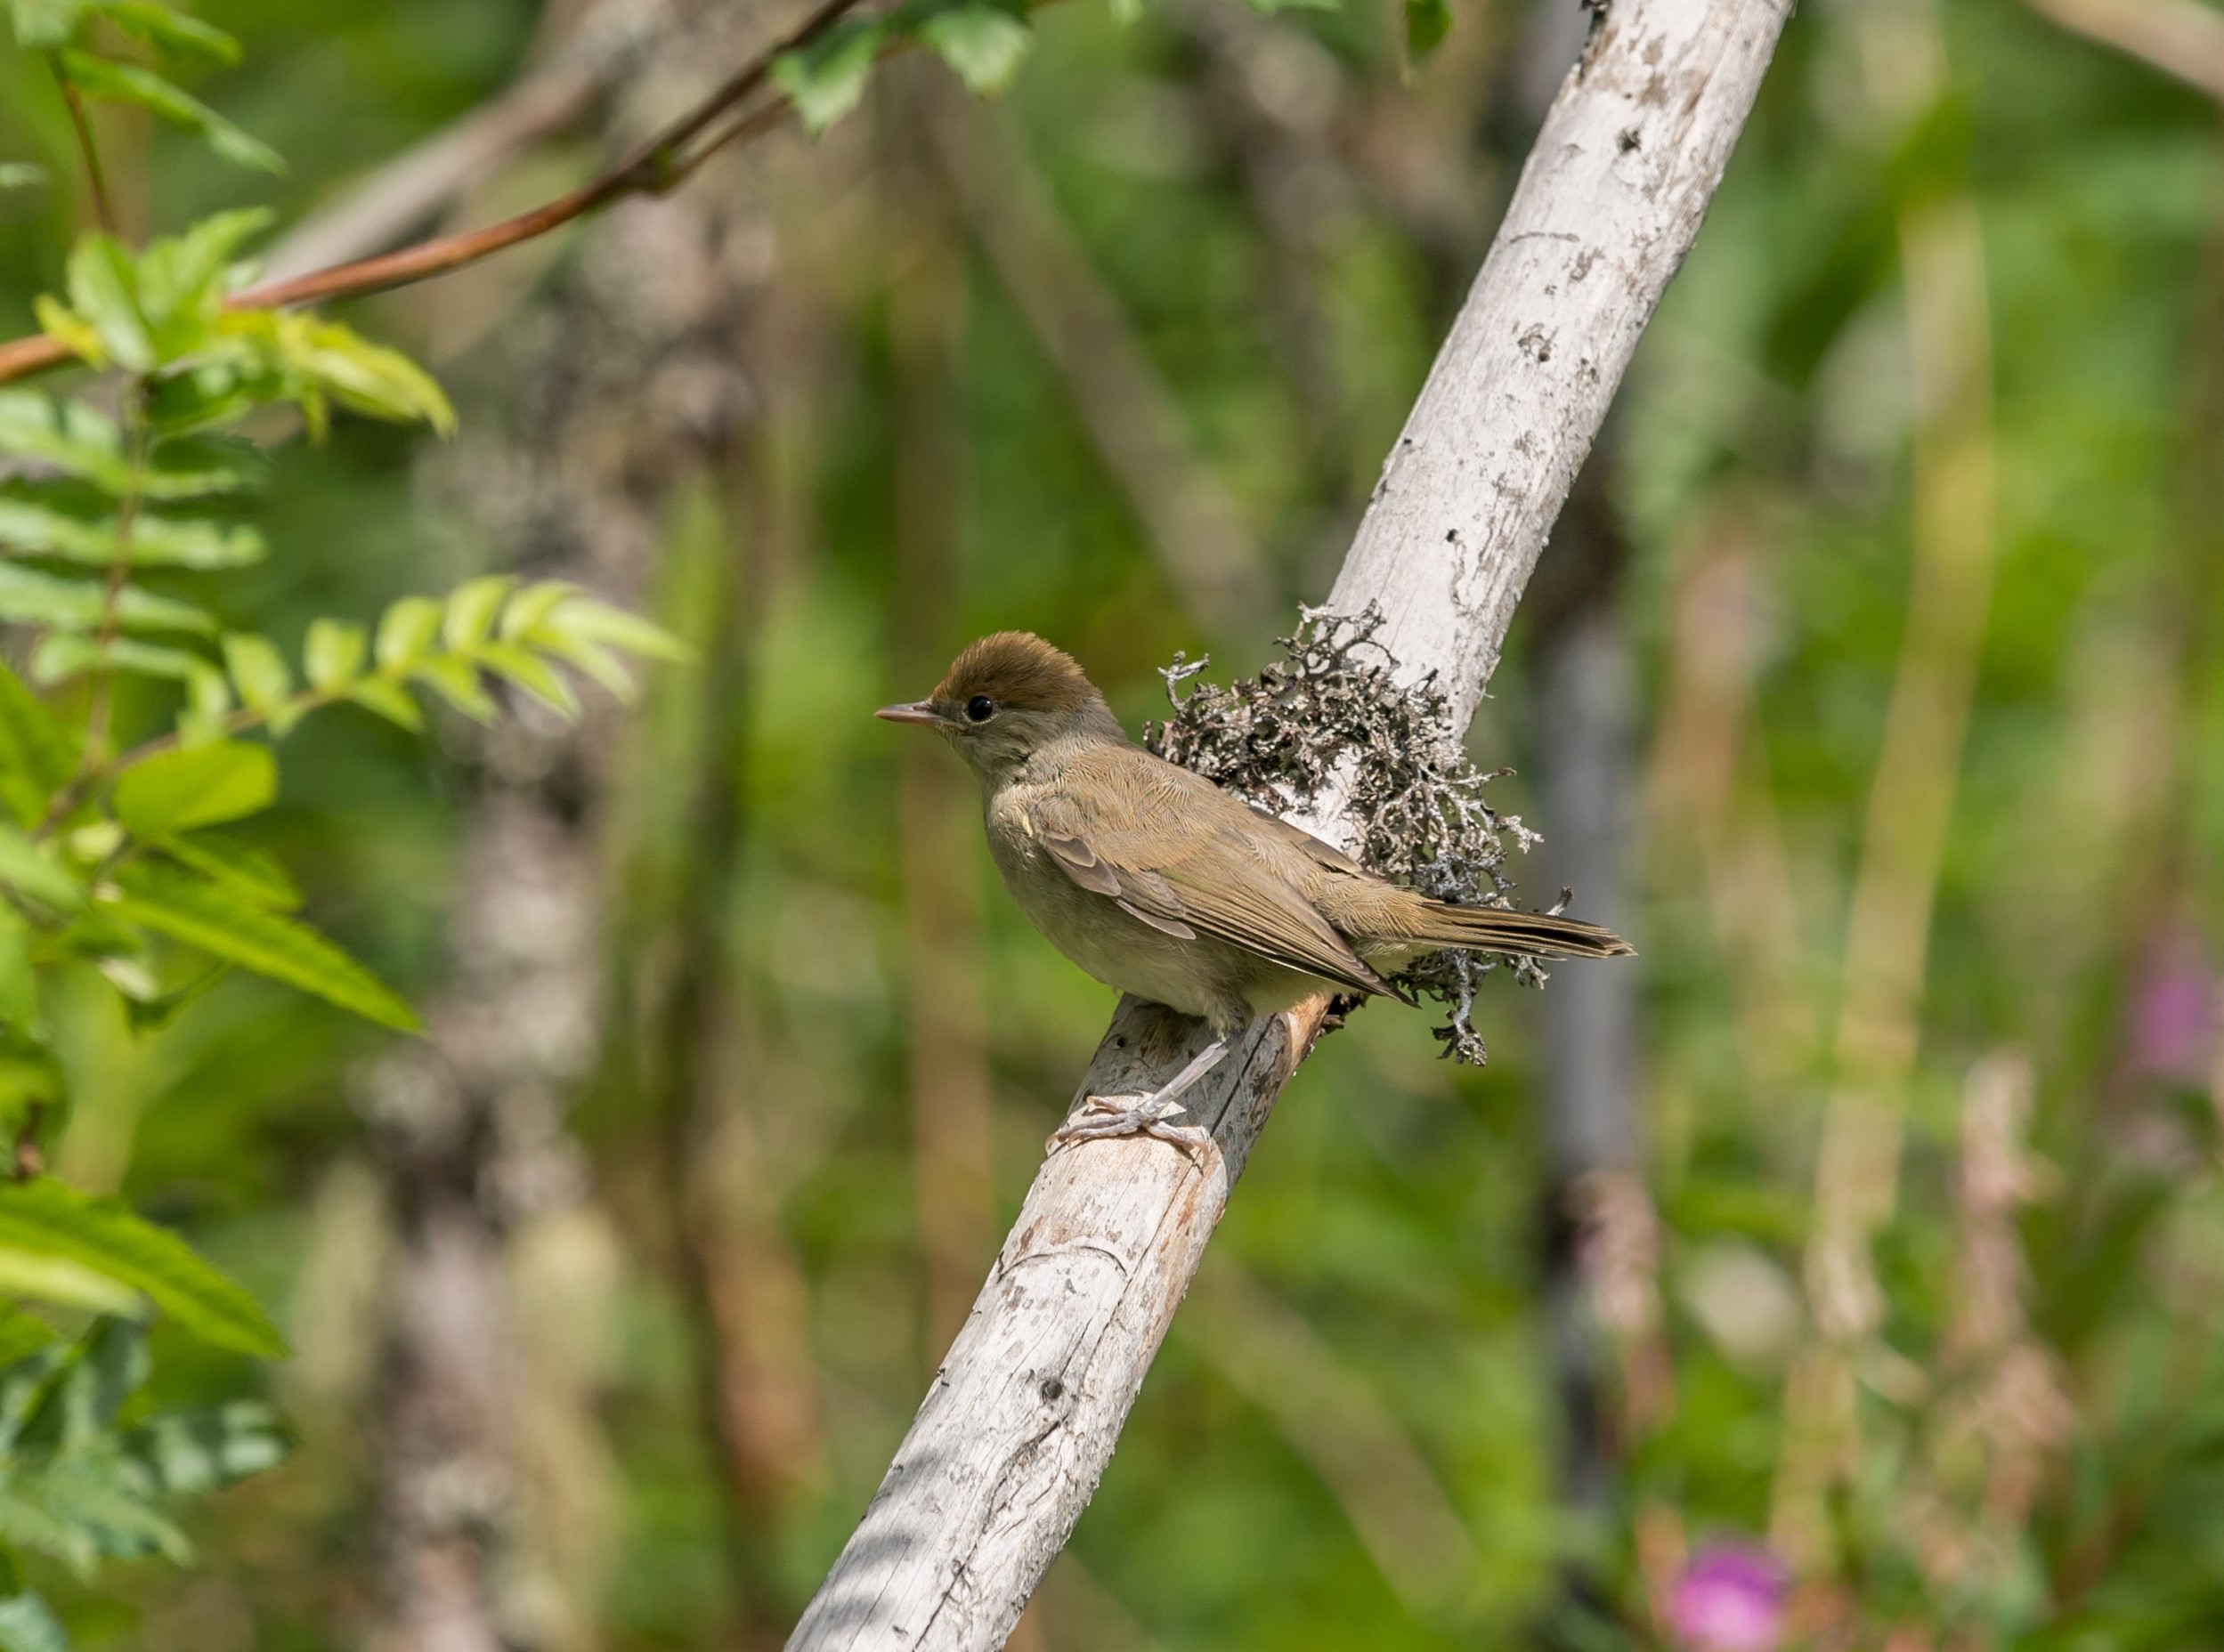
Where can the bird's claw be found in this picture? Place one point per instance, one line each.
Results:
(1104, 1117)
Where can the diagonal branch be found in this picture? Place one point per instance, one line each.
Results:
(667, 160)
(2181, 38)
(1025, 1412)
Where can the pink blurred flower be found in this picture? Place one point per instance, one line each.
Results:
(1730, 1599)
(2173, 1017)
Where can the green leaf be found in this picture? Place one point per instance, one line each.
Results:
(174, 32)
(174, 903)
(388, 699)
(49, 1219)
(261, 674)
(199, 786)
(60, 1282)
(28, 1625)
(102, 281)
(27, 868)
(332, 653)
(591, 658)
(61, 654)
(1428, 22)
(598, 622)
(825, 79)
(37, 756)
(186, 1453)
(243, 871)
(470, 612)
(127, 83)
(30, 597)
(194, 467)
(457, 682)
(69, 329)
(984, 42)
(406, 631)
(68, 435)
(156, 541)
(182, 276)
(358, 374)
(532, 673)
(40, 23)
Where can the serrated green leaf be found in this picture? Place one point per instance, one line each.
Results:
(30, 597)
(388, 699)
(66, 436)
(243, 870)
(69, 329)
(102, 281)
(358, 374)
(406, 631)
(187, 275)
(37, 756)
(332, 653)
(457, 682)
(199, 786)
(128, 83)
(984, 42)
(185, 1453)
(532, 673)
(48, 1217)
(174, 32)
(27, 870)
(42, 23)
(825, 79)
(28, 1625)
(1428, 22)
(156, 541)
(259, 672)
(174, 903)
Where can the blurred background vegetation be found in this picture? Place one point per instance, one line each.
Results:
(1852, 1274)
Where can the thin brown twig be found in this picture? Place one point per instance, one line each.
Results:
(666, 161)
(81, 123)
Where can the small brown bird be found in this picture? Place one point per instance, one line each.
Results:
(1159, 883)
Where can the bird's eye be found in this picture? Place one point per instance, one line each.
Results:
(980, 709)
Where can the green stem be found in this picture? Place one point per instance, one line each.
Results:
(102, 689)
(80, 123)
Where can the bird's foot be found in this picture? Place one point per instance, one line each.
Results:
(1101, 1117)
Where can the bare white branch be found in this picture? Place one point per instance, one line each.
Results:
(1023, 1416)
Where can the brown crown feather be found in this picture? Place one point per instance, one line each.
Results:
(1020, 669)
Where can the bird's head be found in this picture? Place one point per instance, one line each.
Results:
(1008, 697)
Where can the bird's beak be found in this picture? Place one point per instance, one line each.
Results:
(915, 711)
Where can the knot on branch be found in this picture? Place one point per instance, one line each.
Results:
(1331, 719)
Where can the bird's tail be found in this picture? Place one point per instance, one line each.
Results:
(1496, 930)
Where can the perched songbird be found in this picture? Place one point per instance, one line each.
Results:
(1159, 883)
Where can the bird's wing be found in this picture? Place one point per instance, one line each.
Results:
(1179, 854)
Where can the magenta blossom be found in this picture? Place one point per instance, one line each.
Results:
(1730, 1599)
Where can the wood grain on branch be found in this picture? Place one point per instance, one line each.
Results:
(1025, 1412)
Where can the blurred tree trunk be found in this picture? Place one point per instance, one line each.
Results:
(626, 383)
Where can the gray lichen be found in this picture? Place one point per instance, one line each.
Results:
(1331, 710)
